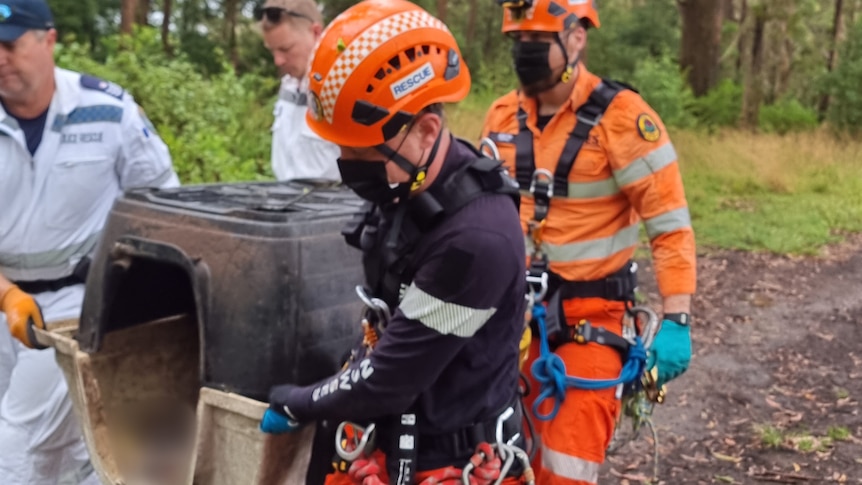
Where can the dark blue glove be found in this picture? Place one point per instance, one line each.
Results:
(671, 351)
(275, 422)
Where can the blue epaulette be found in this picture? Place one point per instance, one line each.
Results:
(107, 87)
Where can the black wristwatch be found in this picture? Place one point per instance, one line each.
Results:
(680, 318)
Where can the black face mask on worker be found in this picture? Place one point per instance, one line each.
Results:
(532, 65)
(370, 181)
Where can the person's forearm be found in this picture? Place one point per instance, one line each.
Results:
(677, 304)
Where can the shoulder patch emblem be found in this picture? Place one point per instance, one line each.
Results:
(648, 128)
(96, 84)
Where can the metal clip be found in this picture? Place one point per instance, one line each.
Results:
(538, 281)
(488, 143)
(545, 178)
(648, 330)
(378, 308)
(363, 445)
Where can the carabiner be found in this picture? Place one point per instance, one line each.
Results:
(488, 143)
(375, 305)
(364, 445)
(542, 283)
(649, 330)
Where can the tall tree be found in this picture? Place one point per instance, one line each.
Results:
(128, 12)
(752, 42)
(167, 11)
(231, 8)
(442, 10)
(832, 56)
(701, 42)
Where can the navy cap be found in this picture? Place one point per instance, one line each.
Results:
(19, 16)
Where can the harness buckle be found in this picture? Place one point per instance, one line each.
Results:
(363, 445)
(542, 178)
(587, 121)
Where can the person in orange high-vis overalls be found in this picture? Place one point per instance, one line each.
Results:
(593, 161)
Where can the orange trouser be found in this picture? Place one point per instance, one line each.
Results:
(339, 478)
(573, 443)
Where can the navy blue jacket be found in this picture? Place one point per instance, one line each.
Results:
(450, 351)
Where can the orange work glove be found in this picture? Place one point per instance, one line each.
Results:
(22, 314)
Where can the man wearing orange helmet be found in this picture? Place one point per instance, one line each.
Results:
(593, 160)
(442, 246)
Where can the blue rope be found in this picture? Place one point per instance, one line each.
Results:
(550, 370)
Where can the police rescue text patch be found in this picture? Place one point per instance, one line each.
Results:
(412, 81)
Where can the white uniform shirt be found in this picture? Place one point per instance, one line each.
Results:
(53, 204)
(297, 152)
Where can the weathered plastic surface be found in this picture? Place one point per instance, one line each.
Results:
(262, 268)
(135, 401)
(198, 300)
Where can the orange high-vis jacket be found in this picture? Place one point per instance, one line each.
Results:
(625, 173)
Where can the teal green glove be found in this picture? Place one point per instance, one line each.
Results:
(671, 351)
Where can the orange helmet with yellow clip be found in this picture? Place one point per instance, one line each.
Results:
(376, 66)
(547, 15)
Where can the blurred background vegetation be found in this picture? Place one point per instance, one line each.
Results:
(762, 97)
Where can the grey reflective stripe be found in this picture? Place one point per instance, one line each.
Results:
(58, 258)
(443, 317)
(97, 113)
(592, 190)
(592, 249)
(570, 467)
(667, 222)
(161, 179)
(587, 190)
(650, 163)
(294, 97)
(11, 122)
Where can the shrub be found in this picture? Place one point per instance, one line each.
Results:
(217, 128)
(786, 116)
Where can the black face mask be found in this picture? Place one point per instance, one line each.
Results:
(532, 66)
(370, 182)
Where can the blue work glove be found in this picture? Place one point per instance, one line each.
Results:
(275, 422)
(671, 351)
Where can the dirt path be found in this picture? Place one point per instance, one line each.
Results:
(772, 393)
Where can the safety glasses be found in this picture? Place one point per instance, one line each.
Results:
(274, 15)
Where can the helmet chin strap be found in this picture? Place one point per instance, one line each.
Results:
(569, 69)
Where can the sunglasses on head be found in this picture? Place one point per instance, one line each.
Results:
(274, 15)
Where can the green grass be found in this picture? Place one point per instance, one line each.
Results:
(838, 433)
(770, 436)
(788, 194)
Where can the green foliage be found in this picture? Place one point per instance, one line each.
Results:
(719, 107)
(217, 127)
(786, 116)
(665, 89)
(842, 84)
(630, 33)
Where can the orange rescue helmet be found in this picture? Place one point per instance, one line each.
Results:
(547, 15)
(376, 66)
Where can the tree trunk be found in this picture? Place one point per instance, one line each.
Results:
(142, 13)
(167, 10)
(832, 56)
(127, 16)
(753, 67)
(442, 8)
(740, 40)
(701, 42)
(472, 13)
(230, 14)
